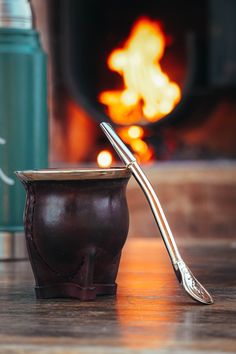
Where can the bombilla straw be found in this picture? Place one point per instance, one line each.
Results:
(185, 277)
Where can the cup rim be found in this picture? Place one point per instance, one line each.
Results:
(58, 174)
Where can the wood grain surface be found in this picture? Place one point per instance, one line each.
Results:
(151, 313)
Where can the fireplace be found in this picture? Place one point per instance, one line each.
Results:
(196, 58)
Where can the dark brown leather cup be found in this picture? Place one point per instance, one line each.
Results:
(76, 223)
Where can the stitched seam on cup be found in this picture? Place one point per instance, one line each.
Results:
(28, 225)
(30, 231)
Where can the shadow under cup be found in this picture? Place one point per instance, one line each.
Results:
(76, 224)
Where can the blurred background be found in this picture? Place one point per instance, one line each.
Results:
(181, 56)
(191, 70)
(164, 74)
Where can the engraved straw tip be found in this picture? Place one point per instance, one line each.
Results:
(210, 301)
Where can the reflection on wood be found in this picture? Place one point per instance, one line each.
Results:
(151, 312)
(145, 314)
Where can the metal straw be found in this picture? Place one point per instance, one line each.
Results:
(185, 277)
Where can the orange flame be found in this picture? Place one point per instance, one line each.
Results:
(148, 94)
(133, 136)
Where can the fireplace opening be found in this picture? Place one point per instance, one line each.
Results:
(192, 53)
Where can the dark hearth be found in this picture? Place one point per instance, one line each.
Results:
(199, 56)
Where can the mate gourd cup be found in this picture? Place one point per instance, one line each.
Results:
(76, 223)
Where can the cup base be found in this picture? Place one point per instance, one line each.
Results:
(72, 290)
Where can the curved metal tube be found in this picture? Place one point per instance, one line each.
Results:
(192, 286)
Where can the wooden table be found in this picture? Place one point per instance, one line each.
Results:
(151, 313)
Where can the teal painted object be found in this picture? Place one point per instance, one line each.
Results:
(23, 118)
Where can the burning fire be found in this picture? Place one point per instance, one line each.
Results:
(147, 94)
(133, 136)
